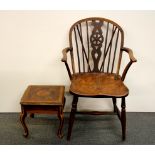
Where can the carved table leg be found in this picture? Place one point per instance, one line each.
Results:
(32, 115)
(123, 118)
(61, 118)
(72, 116)
(64, 102)
(22, 119)
(114, 103)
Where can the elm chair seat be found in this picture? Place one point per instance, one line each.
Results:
(98, 84)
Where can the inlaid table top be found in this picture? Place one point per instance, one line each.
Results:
(43, 95)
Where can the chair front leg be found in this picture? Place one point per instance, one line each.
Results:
(114, 103)
(123, 118)
(72, 116)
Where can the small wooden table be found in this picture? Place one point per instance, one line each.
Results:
(44, 100)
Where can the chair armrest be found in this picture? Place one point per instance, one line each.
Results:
(132, 60)
(64, 52)
(64, 59)
(130, 52)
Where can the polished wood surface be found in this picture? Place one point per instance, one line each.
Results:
(43, 95)
(93, 61)
(98, 84)
(41, 99)
(96, 44)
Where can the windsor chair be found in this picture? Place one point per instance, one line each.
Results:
(96, 46)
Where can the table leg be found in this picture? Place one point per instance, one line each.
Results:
(31, 115)
(61, 118)
(22, 119)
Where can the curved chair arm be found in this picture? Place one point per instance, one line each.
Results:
(132, 60)
(130, 52)
(64, 52)
(64, 59)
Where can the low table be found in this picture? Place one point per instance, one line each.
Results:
(43, 99)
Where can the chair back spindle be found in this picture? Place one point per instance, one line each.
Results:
(96, 44)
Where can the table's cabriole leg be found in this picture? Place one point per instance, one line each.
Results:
(61, 118)
(23, 114)
(31, 115)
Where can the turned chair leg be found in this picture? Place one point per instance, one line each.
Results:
(123, 118)
(114, 103)
(72, 116)
(22, 119)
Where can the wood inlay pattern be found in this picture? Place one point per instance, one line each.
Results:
(43, 95)
(43, 99)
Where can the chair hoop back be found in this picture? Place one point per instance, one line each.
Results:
(96, 44)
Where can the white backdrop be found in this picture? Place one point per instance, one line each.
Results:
(30, 52)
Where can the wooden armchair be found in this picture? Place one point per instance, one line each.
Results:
(93, 65)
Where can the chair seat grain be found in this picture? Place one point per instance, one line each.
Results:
(98, 84)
